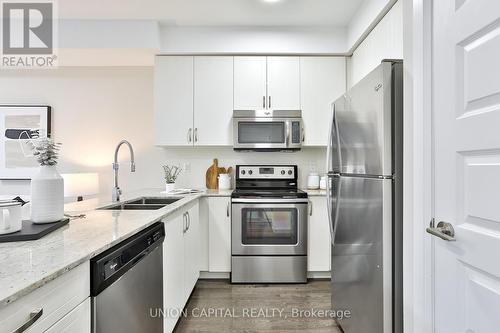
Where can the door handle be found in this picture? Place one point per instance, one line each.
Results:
(34, 316)
(227, 209)
(196, 134)
(263, 102)
(310, 208)
(189, 135)
(443, 230)
(269, 104)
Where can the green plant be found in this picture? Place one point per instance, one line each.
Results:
(46, 151)
(171, 172)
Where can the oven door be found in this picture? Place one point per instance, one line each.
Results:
(260, 133)
(269, 228)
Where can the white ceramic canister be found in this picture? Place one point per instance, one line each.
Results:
(313, 181)
(47, 195)
(322, 183)
(224, 181)
(10, 217)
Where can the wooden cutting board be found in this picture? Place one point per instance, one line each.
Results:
(211, 175)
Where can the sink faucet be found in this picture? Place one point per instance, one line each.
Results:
(116, 189)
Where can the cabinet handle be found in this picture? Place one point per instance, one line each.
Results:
(189, 135)
(196, 134)
(269, 104)
(188, 221)
(34, 316)
(263, 102)
(227, 209)
(310, 208)
(184, 223)
(303, 134)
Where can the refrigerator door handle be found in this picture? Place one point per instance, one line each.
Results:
(329, 146)
(332, 216)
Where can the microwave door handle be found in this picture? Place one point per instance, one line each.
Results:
(287, 140)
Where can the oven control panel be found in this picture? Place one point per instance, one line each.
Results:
(266, 172)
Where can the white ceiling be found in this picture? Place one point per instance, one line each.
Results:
(216, 12)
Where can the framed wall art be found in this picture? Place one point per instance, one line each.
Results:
(18, 125)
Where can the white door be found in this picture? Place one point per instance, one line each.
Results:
(318, 236)
(322, 81)
(283, 83)
(466, 112)
(249, 83)
(191, 250)
(173, 269)
(173, 95)
(219, 233)
(213, 101)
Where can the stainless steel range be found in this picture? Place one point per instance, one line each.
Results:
(269, 226)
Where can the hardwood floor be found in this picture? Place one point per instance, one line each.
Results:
(218, 306)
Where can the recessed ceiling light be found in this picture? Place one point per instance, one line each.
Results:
(271, 1)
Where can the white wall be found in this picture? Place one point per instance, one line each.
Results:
(384, 42)
(252, 40)
(94, 108)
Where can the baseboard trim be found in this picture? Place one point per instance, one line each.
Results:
(226, 275)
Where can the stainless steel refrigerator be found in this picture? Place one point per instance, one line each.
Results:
(364, 163)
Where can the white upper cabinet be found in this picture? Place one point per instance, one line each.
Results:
(250, 83)
(283, 83)
(213, 101)
(266, 83)
(173, 90)
(322, 81)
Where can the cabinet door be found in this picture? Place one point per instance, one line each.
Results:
(173, 270)
(283, 83)
(249, 83)
(322, 81)
(76, 321)
(173, 90)
(213, 101)
(191, 250)
(219, 231)
(318, 243)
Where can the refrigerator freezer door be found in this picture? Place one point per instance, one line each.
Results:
(332, 150)
(361, 254)
(364, 125)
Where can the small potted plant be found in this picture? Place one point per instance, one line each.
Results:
(47, 185)
(171, 172)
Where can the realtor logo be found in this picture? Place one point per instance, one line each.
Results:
(28, 34)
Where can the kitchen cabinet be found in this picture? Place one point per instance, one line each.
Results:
(283, 83)
(77, 321)
(180, 261)
(173, 98)
(319, 240)
(266, 83)
(322, 81)
(219, 231)
(213, 101)
(250, 87)
(56, 302)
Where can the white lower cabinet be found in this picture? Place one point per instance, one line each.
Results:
(77, 321)
(54, 301)
(318, 243)
(219, 234)
(180, 261)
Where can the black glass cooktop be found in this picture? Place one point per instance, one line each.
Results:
(268, 193)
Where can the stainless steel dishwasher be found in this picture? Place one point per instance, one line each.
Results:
(127, 285)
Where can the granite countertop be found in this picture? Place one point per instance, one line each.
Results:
(25, 266)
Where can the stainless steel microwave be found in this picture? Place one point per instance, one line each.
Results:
(267, 130)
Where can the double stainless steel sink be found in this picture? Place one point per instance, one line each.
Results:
(144, 203)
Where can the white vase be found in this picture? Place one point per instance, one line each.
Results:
(169, 187)
(47, 195)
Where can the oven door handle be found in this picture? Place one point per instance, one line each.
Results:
(270, 200)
